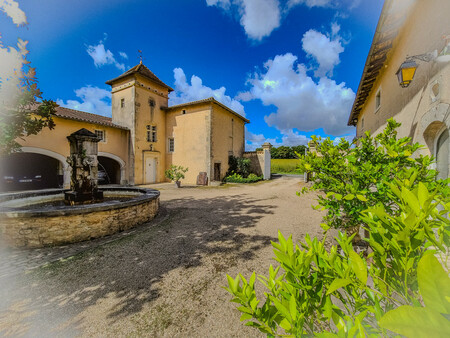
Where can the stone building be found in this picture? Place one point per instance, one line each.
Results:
(143, 138)
(407, 76)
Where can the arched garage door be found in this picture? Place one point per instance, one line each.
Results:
(30, 171)
(108, 170)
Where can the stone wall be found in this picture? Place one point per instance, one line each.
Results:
(33, 229)
(260, 161)
(255, 161)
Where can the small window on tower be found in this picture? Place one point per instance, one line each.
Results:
(151, 133)
(171, 145)
(122, 103)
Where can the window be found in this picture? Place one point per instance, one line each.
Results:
(378, 100)
(362, 122)
(122, 103)
(171, 145)
(151, 133)
(101, 135)
(183, 111)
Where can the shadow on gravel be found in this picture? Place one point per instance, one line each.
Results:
(128, 270)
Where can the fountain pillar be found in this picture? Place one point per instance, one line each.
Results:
(83, 161)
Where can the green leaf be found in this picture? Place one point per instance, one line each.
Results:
(416, 322)
(411, 199)
(434, 284)
(349, 197)
(245, 316)
(338, 196)
(377, 246)
(293, 307)
(358, 267)
(422, 193)
(338, 283)
(285, 324)
(362, 198)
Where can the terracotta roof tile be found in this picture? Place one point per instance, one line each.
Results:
(77, 115)
(141, 70)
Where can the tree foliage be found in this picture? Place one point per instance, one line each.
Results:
(285, 152)
(355, 176)
(28, 115)
(396, 285)
(338, 292)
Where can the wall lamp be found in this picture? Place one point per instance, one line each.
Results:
(405, 73)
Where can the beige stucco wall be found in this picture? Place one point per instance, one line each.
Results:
(55, 141)
(135, 115)
(227, 138)
(413, 106)
(191, 132)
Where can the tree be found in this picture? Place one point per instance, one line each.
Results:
(356, 176)
(26, 117)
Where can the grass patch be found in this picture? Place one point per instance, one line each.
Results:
(282, 166)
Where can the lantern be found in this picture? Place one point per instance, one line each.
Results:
(405, 73)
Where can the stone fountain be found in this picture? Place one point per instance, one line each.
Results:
(84, 163)
(51, 217)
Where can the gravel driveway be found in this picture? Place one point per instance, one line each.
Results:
(165, 278)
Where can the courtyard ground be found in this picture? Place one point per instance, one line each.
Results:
(164, 278)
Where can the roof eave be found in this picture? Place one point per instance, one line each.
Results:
(211, 100)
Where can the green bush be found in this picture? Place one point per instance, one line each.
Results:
(238, 165)
(341, 293)
(236, 178)
(175, 173)
(355, 176)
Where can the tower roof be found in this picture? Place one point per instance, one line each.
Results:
(142, 70)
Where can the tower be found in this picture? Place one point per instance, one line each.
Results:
(138, 101)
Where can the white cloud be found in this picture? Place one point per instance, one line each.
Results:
(185, 92)
(258, 17)
(325, 50)
(93, 100)
(309, 3)
(123, 55)
(225, 4)
(102, 56)
(302, 103)
(288, 138)
(11, 8)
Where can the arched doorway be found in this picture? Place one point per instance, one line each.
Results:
(109, 170)
(442, 154)
(30, 171)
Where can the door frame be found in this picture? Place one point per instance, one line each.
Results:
(144, 165)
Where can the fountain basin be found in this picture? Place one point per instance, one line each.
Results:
(34, 219)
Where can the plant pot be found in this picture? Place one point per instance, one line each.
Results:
(177, 184)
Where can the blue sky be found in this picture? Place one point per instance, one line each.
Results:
(290, 66)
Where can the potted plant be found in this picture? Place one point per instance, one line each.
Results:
(175, 173)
